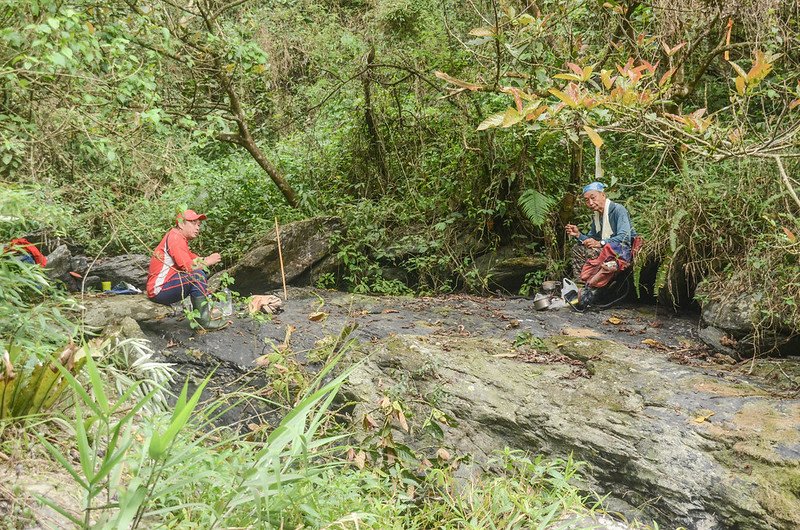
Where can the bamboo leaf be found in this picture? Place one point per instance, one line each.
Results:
(739, 69)
(740, 85)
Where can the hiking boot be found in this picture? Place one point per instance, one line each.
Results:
(201, 304)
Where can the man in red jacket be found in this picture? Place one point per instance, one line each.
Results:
(176, 272)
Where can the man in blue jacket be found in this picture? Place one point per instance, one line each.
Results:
(611, 225)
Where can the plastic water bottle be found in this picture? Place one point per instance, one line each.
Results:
(227, 303)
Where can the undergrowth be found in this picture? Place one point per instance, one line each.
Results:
(731, 228)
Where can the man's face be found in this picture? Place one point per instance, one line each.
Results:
(595, 200)
(190, 229)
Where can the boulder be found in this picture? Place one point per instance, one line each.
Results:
(59, 262)
(735, 317)
(303, 243)
(506, 269)
(129, 268)
(665, 442)
(103, 310)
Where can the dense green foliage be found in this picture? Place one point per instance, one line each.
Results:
(437, 131)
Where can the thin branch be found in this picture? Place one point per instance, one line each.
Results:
(786, 181)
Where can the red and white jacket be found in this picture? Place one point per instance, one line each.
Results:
(170, 256)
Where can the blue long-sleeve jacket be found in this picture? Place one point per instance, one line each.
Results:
(621, 226)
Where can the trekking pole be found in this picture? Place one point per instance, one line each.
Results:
(280, 258)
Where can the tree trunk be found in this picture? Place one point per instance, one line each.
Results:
(376, 147)
(567, 209)
(245, 139)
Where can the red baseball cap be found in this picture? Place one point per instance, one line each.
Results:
(190, 215)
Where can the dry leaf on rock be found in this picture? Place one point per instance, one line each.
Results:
(317, 316)
(654, 344)
(614, 320)
(702, 415)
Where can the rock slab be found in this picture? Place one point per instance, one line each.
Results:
(666, 442)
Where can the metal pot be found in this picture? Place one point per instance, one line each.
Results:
(540, 303)
(549, 286)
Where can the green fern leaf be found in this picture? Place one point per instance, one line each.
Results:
(673, 229)
(536, 206)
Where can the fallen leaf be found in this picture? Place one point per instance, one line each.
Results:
(443, 454)
(387, 311)
(360, 459)
(402, 419)
(369, 422)
(614, 320)
(317, 316)
(702, 415)
(654, 344)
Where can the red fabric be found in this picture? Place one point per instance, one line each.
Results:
(594, 274)
(26, 246)
(170, 256)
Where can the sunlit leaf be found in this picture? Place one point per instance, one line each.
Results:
(563, 97)
(457, 82)
(482, 32)
(495, 120)
(740, 85)
(593, 136)
(567, 77)
(511, 117)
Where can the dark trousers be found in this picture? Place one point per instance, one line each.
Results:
(182, 285)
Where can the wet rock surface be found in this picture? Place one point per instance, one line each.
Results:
(303, 244)
(671, 430)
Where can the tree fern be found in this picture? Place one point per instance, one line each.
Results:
(536, 206)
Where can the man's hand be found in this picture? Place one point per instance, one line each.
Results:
(212, 259)
(591, 243)
(572, 231)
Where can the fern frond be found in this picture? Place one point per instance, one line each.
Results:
(536, 206)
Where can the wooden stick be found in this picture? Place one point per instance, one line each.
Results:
(280, 258)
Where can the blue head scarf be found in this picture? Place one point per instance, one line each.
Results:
(594, 186)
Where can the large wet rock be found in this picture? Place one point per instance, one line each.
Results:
(129, 268)
(506, 269)
(103, 310)
(665, 441)
(59, 261)
(732, 324)
(303, 243)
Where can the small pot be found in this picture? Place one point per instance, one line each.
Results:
(541, 303)
(549, 286)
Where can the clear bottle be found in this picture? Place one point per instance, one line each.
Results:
(227, 303)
